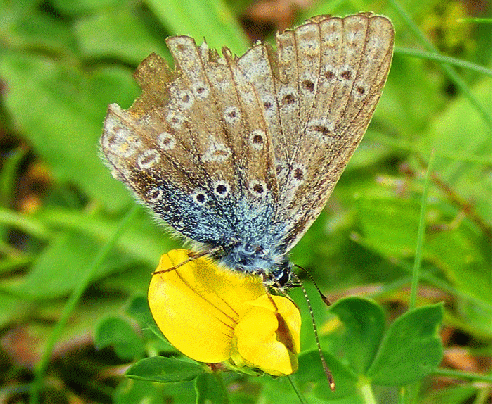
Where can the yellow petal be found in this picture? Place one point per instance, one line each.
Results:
(268, 336)
(197, 305)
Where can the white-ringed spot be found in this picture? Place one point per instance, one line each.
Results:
(257, 188)
(199, 197)
(232, 115)
(166, 141)
(257, 139)
(221, 188)
(154, 195)
(148, 159)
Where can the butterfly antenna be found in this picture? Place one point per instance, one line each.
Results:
(326, 369)
(323, 297)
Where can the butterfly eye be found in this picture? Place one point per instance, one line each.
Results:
(282, 277)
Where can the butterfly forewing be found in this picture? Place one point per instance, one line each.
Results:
(355, 54)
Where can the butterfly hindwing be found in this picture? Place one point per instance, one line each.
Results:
(195, 150)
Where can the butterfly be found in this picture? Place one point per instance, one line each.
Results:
(240, 154)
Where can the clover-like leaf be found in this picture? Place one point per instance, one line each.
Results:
(118, 333)
(164, 370)
(411, 348)
(363, 328)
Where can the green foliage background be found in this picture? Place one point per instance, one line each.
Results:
(85, 256)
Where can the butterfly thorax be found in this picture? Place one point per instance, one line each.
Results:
(254, 258)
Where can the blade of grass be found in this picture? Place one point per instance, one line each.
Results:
(145, 243)
(410, 393)
(8, 175)
(444, 59)
(463, 375)
(475, 20)
(450, 72)
(420, 236)
(23, 223)
(71, 304)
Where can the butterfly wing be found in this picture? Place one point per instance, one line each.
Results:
(194, 146)
(250, 149)
(319, 90)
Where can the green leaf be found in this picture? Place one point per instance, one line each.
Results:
(409, 100)
(75, 7)
(461, 139)
(362, 353)
(411, 349)
(210, 389)
(131, 391)
(459, 132)
(451, 395)
(389, 225)
(463, 254)
(12, 308)
(8, 175)
(61, 110)
(143, 239)
(363, 326)
(140, 311)
(119, 334)
(212, 20)
(164, 370)
(106, 34)
(311, 373)
(57, 269)
(24, 25)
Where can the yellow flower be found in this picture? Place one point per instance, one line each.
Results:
(215, 315)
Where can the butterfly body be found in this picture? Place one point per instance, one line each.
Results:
(241, 154)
